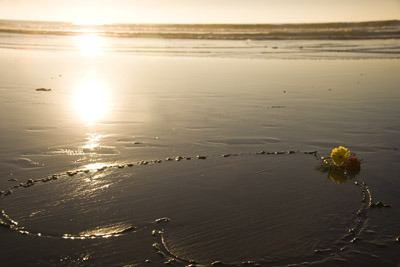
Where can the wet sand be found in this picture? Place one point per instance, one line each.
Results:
(116, 131)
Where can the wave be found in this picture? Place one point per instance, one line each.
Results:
(314, 31)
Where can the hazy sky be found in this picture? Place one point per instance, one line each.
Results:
(200, 11)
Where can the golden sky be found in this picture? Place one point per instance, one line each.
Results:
(200, 11)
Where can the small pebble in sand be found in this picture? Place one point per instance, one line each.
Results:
(398, 239)
(217, 263)
(170, 261)
(201, 157)
(12, 180)
(147, 261)
(43, 89)
(160, 220)
(312, 153)
(156, 246)
(354, 240)
(380, 205)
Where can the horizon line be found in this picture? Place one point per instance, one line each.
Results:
(227, 23)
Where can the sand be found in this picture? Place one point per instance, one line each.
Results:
(117, 132)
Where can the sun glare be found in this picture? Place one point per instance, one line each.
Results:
(89, 22)
(95, 166)
(92, 99)
(93, 141)
(89, 44)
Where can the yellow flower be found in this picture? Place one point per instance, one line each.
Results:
(339, 155)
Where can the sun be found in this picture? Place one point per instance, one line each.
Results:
(86, 20)
(89, 22)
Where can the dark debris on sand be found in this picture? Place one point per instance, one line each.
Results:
(43, 89)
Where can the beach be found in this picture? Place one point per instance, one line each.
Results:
(149, 155)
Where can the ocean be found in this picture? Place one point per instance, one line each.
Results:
(199, 145)
(329, 40)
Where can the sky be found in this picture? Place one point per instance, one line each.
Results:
(200, 11)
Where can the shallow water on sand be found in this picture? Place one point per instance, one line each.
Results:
(115, 109)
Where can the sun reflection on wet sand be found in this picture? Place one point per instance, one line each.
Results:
(92, 141)
(95, 166)
(92, 99)
(89, 44)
